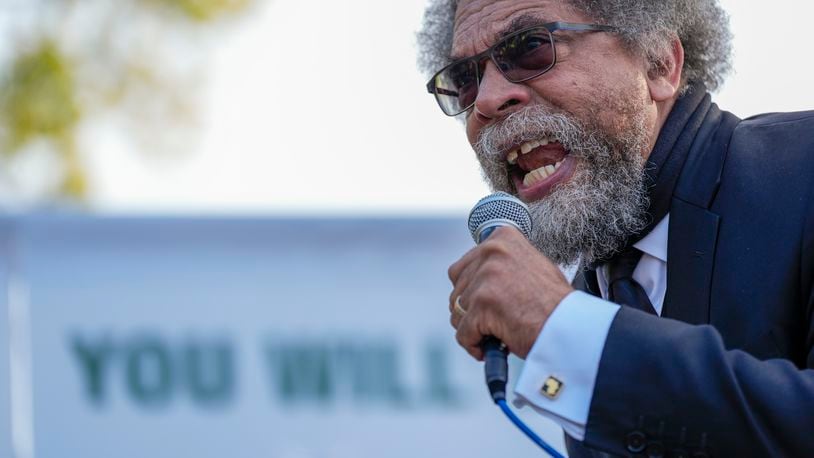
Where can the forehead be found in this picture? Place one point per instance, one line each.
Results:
(479, 22)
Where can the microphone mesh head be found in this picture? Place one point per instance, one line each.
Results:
(499, 209)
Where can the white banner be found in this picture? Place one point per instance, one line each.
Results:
(240, 338)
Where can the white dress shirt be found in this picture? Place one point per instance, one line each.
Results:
(570, 344)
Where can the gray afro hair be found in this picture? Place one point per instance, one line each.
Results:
(646, 27)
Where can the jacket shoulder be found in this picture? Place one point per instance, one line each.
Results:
(770, 163)
(781, 137)
(769, 119)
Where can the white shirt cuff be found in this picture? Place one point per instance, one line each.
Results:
(568, 349)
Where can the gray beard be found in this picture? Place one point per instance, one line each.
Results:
(590, 216)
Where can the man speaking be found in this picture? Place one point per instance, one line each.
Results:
(596, 113)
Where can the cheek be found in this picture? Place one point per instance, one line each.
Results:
(616, 100)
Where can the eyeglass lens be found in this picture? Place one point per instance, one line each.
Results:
(519, 57)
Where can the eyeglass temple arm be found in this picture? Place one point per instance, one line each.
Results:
(554, 26)
(441, 91)
(433, 89)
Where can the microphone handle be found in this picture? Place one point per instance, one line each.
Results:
(496, 367)
(495, 353)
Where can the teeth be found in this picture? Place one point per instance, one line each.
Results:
(512, 157)
(540, 174)
(525, 148)
(533, 177)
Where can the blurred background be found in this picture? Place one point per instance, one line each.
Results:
(226, 225)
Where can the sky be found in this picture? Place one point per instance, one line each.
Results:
(317, 108)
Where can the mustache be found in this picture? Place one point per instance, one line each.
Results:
(534, 123)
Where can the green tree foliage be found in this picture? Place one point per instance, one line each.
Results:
(205, 10)
(55, 82)
(39, 100)
(40, 96)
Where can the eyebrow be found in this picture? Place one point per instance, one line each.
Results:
(519, 23)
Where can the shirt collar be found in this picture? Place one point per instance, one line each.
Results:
(655, 243)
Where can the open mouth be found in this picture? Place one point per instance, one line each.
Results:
(537, 166)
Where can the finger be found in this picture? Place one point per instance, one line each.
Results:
(463, 280)
(460, 292)
(457, 312)
(454, 314)
(456, 269)
(454, 294)
(468, 336)
(455, 320)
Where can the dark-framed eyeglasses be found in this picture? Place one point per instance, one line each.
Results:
(520, 56)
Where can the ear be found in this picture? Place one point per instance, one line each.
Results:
(665, 75)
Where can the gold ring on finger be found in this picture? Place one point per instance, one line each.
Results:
(458, 308)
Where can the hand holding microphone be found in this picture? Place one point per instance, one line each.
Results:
(509, 290)
(506, 287)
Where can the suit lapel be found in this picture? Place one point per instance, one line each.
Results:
(690, 254)
(693, 233)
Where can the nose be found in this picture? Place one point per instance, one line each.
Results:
(497, 96)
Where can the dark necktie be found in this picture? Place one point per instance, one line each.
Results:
(622, 288)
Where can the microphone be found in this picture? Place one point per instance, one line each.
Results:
(494, 211)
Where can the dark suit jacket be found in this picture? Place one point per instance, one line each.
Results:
(727, 370)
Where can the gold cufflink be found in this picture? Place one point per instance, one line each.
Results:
(552, 387)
